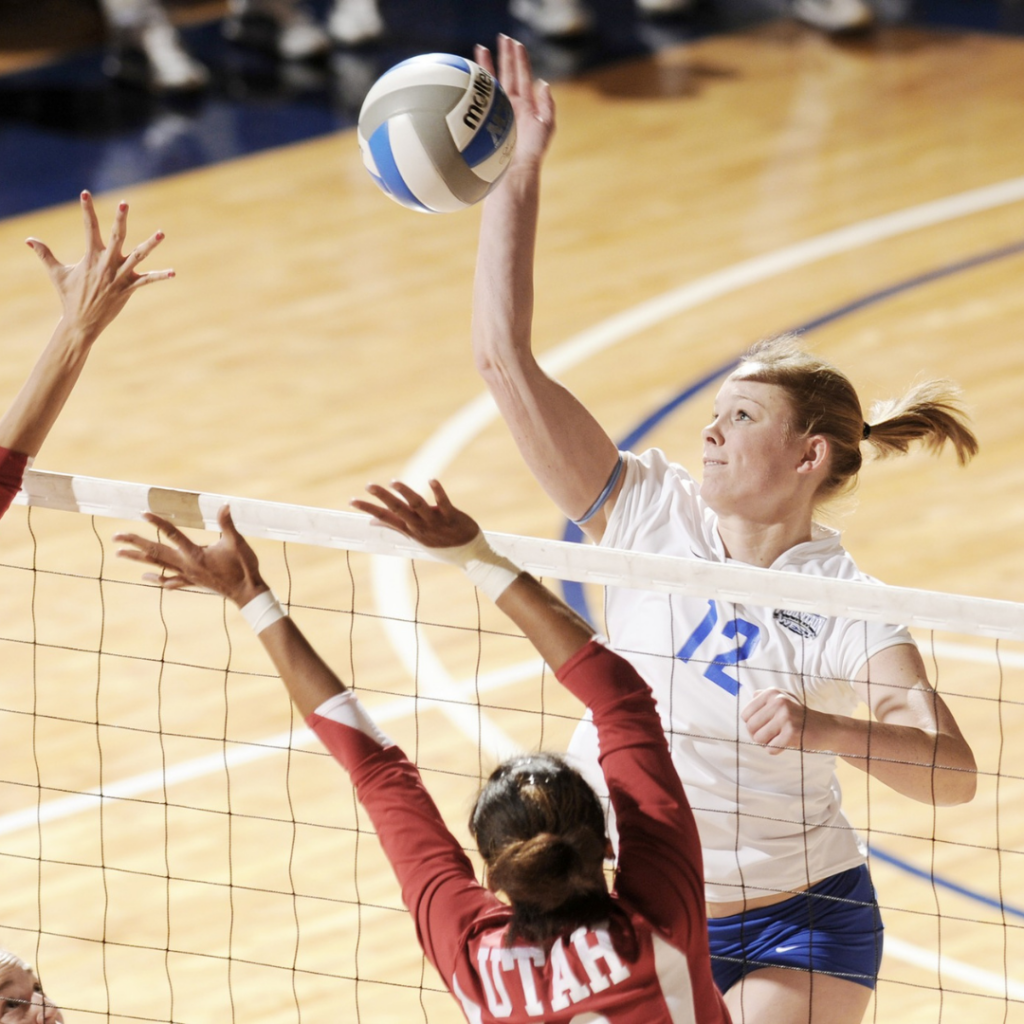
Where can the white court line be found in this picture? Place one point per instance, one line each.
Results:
(946, 967)
(401, 707)
(237, 754)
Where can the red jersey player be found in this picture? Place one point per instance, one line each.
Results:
(564, 947)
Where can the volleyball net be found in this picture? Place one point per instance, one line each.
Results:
(176, 847)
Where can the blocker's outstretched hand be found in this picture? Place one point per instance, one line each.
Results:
(441, 525)
(92, 292)
(531, 99)
(229, 566)
(95, 289)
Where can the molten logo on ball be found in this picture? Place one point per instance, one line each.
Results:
(436, 132)
(483, 86)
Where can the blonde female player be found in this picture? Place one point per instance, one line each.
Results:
(564, 948)
(755, 703)
(92, 292)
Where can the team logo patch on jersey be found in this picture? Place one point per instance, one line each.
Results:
(805, 624)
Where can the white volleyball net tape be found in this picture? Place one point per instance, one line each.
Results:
(175, 846)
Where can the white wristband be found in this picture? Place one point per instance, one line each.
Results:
(492, 577)
(487, 570)
(262, 611)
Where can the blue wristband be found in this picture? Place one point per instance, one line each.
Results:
(603, 496)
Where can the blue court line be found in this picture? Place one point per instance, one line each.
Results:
(576, 598)
(928, 876)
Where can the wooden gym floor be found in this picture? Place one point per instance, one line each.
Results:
(317, 337)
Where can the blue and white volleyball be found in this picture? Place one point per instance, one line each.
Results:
(437, 132)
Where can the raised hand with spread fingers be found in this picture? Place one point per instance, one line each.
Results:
(92, 293)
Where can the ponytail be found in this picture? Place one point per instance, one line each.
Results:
(929, 412)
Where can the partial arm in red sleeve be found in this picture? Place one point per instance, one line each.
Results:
(438, 882)
(660, 868)
(12, 469)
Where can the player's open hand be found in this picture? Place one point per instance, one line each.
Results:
(229, 567)
(440, 525)
(95, 289)
(531, 99)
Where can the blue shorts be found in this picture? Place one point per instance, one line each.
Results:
(833, 928)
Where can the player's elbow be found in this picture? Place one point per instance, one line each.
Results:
(494, 361)
(958, 784)
(961, 793)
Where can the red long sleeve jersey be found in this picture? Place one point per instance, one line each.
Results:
(648, 965)
(12, 469)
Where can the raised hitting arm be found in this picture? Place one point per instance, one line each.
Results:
(567, 450)
(92, 292)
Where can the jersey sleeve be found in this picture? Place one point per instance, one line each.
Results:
(660, 869)
(659, 509)
(858, 641)
(12, 471)
(439, 886)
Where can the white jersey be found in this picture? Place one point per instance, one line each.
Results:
(767, 823)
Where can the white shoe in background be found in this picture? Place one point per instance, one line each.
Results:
(145, 50)
(834, 15)
(282, 27)
(664, 8)
(355, 22)
(553, 19)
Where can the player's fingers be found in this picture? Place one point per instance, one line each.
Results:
(388, 499)
(413, 499)
(382, 515)
(226, 523)
(754, 706)
(43, 252)
(135, 539)
(524, 70)
(149, 553)
(513, 66)
(166, 582)
(506, 70)
(523, 64)
(172, 532)
(93, 238)
(119, 231)
(501, 60)
(483, 57)
(441, 498)
(149, 277)
(141, 251)
(175, 582)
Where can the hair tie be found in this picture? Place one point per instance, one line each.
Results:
(867, 431)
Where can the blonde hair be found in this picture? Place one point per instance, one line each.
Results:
(823, 401)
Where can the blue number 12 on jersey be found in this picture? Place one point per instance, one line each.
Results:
(748, 633)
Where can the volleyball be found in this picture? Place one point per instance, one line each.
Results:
(436, 132)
